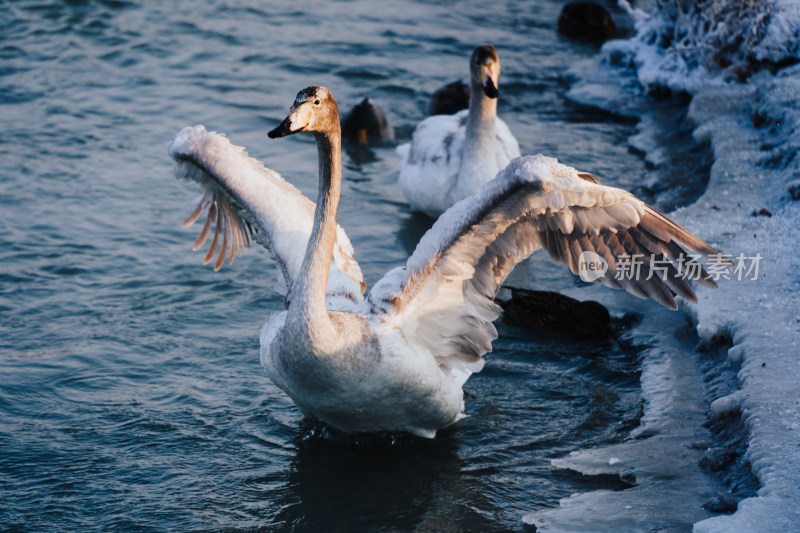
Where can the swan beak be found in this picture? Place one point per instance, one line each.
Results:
(297, 121)
(283, 130)
(489, 81)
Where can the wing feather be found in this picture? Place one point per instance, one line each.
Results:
(240, 195)
(215, 239)
(444, 299)
(201, 239)
(195, 214)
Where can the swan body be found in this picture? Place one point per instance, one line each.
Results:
(451, 156)
(397, 360)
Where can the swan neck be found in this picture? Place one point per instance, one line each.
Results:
(311, 286)
(482, 112)
(478, 160)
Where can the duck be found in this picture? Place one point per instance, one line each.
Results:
(449, 99)
(396, 361)
(451, 156)
(553, 311)
(366, 124)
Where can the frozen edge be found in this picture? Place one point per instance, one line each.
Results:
(761, 316)
(753, 168)
(661, 459)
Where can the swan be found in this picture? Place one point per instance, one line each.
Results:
(451, 156)
(397, 360)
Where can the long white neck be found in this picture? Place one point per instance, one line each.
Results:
(478, 162)
(307, 307)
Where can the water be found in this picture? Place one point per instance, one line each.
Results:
(132, 397)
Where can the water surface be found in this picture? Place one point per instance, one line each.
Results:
(132, 396)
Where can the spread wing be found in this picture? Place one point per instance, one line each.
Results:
(443, 299)
(239, 194)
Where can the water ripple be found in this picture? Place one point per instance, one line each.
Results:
(132, 397)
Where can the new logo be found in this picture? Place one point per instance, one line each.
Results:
(591, 266)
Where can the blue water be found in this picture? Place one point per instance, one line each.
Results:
(131, 393)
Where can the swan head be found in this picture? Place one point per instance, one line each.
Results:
(314, 109)
(484, 67)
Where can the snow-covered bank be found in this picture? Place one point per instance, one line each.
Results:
(754, 171)
(738, 61)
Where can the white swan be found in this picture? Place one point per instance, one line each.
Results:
(397, 360)
(451, 156)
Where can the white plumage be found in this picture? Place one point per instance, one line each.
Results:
(397, 361)
(264, 199)
(451, 156)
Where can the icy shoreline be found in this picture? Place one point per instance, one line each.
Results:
(762, 317)
(753, 128)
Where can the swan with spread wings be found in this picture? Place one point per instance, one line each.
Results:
(397, 360)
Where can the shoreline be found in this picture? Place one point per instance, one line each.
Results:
(749, 207)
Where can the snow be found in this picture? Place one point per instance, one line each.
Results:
(727, 405)
(744, 103)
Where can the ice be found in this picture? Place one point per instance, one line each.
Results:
(727, 405)
(744, 103)
(660, 462)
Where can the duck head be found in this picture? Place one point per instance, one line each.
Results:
(314, 110)
(484, 68)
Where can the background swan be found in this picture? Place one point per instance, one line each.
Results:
(397, 361)
(451, 156)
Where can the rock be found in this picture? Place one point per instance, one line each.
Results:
(716, 459)
(586, 21)
(794, 189)
(722, 502)
(552, 311)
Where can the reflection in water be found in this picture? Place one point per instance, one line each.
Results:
(360, 154)
(412, 228)
(398, 477)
